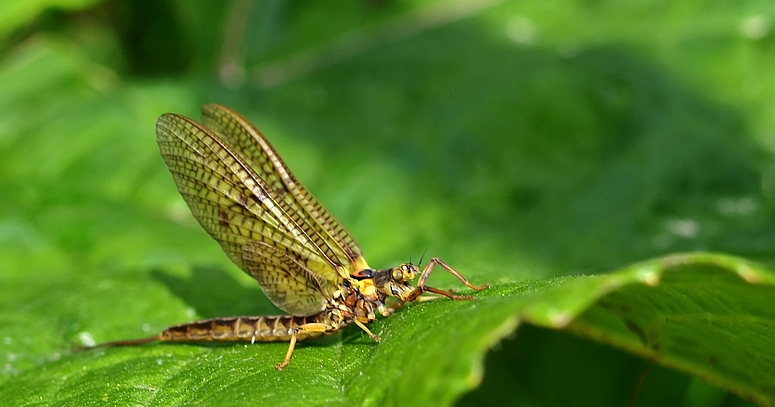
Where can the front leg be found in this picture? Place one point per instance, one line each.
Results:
(415, 295)
(426, 272)
(423, 288)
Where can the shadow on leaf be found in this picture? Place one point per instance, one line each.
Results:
(214, 293)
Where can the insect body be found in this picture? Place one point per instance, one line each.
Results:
(271, 226)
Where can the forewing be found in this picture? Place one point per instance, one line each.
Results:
(286, 281)
(229, 200)
(326, 232)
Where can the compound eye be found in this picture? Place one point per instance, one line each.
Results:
(398, 274)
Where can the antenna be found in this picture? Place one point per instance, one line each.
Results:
(423, 256)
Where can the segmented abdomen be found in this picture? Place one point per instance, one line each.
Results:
(248, 329)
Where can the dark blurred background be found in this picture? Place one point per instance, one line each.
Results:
(515, 139)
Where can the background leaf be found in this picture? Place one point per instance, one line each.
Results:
(522, 142)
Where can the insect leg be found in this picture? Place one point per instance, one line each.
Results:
(363, 326)
(288, 354)
(416, 295)
(312, 327)
(423, 288)
(426, 272)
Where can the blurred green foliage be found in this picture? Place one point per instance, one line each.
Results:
(517, 140)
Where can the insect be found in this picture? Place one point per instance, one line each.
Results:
(270, 225)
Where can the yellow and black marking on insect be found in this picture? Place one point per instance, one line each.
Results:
(271, 226)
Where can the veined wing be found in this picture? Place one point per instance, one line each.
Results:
(322, 226)
(236, 207)
(286, 280)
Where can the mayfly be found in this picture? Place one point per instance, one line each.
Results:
(271, 226)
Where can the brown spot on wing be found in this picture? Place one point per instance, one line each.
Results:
(223, 217)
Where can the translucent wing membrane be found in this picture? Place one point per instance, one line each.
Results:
(237, 208)
(239, 133)
(285, 280)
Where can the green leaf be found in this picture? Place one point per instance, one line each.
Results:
(705, 314)
(518, 142)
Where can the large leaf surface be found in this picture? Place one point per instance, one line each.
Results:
(520, 147)
(709, 315)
